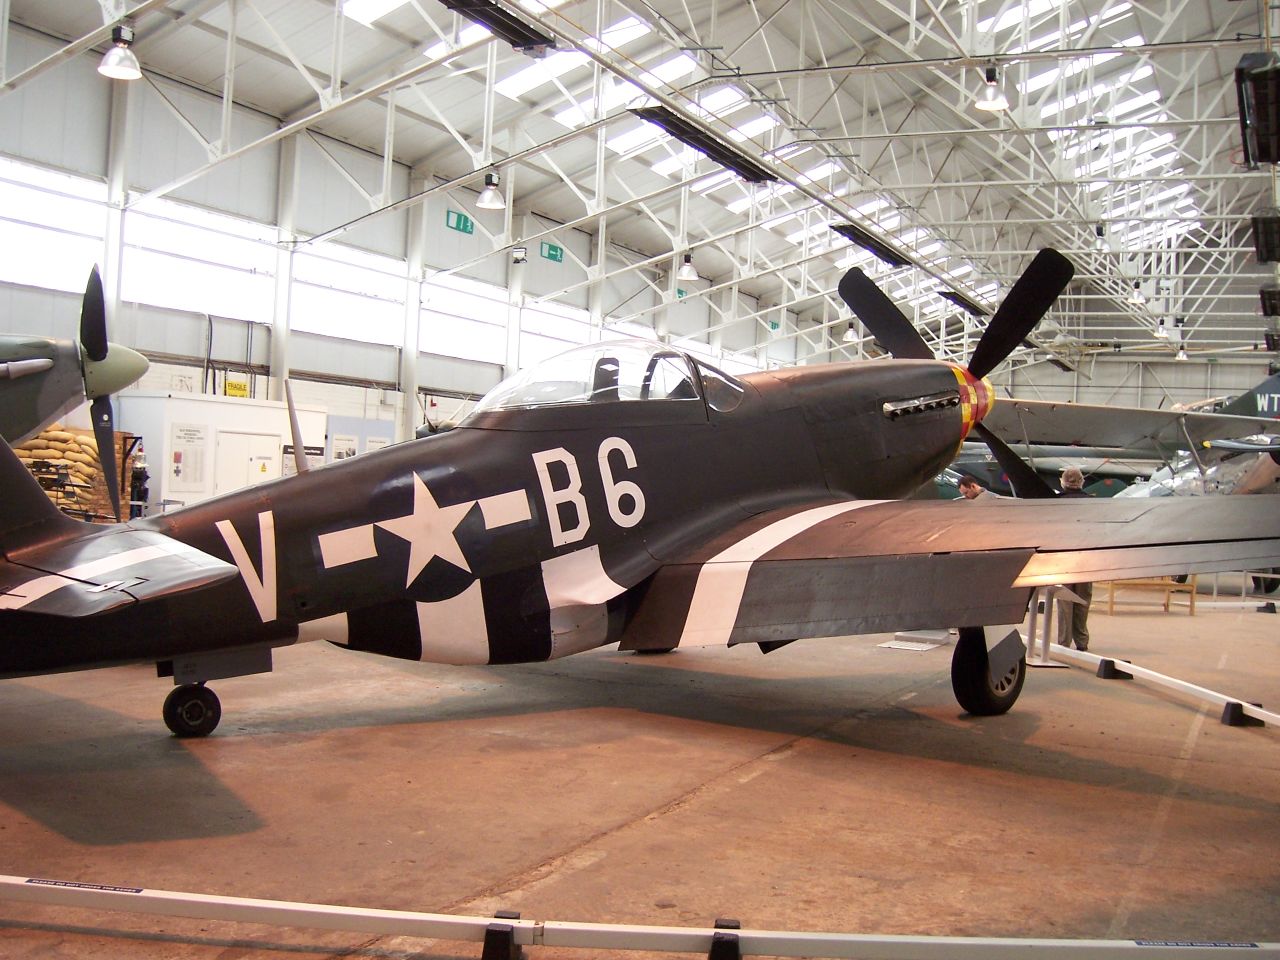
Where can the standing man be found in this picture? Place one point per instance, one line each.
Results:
(971, 489)
(1072, 483)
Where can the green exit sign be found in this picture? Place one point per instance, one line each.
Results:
(774, 325)
(459, 221)
(552, 252)
(681, 293)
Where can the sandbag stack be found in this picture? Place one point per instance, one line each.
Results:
(68, 465)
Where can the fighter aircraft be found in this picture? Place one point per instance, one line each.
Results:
(623, 492)
(42, 379)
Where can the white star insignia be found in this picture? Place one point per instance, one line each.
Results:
(429, 530)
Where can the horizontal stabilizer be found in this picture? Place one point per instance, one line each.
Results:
(110, 568)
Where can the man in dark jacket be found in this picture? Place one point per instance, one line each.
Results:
(1072, 483)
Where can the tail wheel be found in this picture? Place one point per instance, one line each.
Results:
(192, 710)
(971, 680)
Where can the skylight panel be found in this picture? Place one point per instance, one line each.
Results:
(620, 34)
(820, 172)
(799, 235)
(540, 72)
(674, 164)
(367, 11)
(466, 36)
(963, 270)
(712, 182)
(637, 138)
(722, 101)
(740, 206)
(1073, 68)
(541, 6)
(1097, 91)
(752, 128)
(1014, 16)
(665, 73)
(1077, 27)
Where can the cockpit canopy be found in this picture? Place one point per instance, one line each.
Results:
(615, 371)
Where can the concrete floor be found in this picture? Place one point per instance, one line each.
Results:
(832, 785)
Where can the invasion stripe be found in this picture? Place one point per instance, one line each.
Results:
(717, 596)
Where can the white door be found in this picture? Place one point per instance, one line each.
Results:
(243, 459)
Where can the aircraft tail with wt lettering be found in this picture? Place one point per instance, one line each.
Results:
(1261, 401)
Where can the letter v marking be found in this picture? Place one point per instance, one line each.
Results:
(261, 589)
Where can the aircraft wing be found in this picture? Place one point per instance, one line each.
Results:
(880, 566)
(106, 569)
(1135, 432)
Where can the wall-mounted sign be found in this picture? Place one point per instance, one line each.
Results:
(458, 221)
(552, 252)
(681, 293)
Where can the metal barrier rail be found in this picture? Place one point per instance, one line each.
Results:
(1235, 712)
(504, 936)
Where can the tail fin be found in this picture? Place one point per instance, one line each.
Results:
(27, 516)
(1262, 401)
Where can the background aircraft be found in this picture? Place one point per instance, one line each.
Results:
(42, 379)
(621, 493)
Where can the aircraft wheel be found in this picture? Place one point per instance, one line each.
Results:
(192, 710)
(971, 683)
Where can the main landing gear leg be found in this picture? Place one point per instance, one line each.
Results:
(986, 684)
(192, 710)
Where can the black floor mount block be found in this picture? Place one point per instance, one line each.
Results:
(1233, 715)
(1107, 670)
(724, 942)
(500, 939)
(1268, 607)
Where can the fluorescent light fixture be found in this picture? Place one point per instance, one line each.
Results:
(870, 243)
(691, 135)
(971, 307)
(523, 37)
(991, 98)
(120, 63)
(490, 197)
(687, 270)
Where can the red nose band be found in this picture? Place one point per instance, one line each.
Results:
(976, 398)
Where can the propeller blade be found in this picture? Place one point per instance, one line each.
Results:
(878, 314)
(93, 318)
(104, 431)
(1028, 301)
(1026, 483)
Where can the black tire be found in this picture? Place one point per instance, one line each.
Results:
(1181, 577)
(192, 710)
(970, 682)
